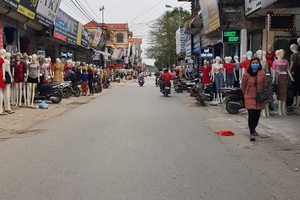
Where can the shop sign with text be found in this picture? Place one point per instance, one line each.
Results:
(207, 53)
(60, 28)
(231, 36)
(252, 6)
(210, 15)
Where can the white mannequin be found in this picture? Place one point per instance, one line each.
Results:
(3, 67)
(31, 86)
(20, 83)
(228, 60)
(294, 49)
(7, 90)
(282, 110)
(217, 70)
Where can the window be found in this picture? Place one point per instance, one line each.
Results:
(120, 37)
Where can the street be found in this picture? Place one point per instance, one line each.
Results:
(133, 143)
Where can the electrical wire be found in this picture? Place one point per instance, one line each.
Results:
(92, 10)
(83, 8)
(75, 10)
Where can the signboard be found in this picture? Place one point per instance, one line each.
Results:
(97, 37)
(66, 54)
(48, 8)
(196, 43)
(41, 11)
(231, 36)
(84, 37)
(79, 34)
(282, 22)
(72, 30)
(41, 53)
(207, 52)
(60, 28)
(252, 6)
(180, 41)
(1, 35)
(210, 15)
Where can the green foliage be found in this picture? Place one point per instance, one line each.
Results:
(162, 42)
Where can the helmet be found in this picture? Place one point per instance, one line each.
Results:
(165, 70)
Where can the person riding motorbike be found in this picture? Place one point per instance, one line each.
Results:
(166, 79)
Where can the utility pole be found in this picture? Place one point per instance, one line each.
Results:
(101, 9)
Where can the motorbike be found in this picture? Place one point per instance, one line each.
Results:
(51, 92)
(157, 78)
(141, 81)
(178, 85)
(189, 84)
(203, 92)
(166, 89)
(75, 89)
(105, 83)
(97, 86)
(234, 99)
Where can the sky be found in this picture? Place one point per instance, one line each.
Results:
(137, 13)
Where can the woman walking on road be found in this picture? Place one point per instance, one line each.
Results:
(90, 80)
(84, 84)
(253, 81)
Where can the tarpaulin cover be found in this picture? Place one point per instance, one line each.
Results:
(225, 133)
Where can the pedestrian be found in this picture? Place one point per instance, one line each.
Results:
(84, 84)
(90, 80)
(253, 82)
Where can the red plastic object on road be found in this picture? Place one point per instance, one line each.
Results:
(225, 133)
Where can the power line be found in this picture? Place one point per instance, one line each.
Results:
(74, 10)
(83, 8)
(92, 10)
(82, 11)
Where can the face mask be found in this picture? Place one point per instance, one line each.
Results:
(254, 66)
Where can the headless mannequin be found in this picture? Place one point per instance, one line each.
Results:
(295, 68)
(217, 76)
(205, 73)
(228, 67)
(280, 71)
(7, 90)
(19, 77)
(33, 77)
(2, 77)
(270, 54)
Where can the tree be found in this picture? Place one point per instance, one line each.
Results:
(162, 43)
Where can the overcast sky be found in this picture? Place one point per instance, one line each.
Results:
(138, 13)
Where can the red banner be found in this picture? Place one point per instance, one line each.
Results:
(1, 35)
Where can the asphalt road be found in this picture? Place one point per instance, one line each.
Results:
(134, 144)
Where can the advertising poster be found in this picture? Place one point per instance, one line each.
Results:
(97, 37)
(27, 8)
(72, 30)
(210, 15)
(60, 28)
(79, 34)
(84, 37)
(48, 8)
(252, 6)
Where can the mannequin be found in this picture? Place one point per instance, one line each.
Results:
(229, 71)
(44, 65)
(8, 81)
(58, 69)
(242, 70)
(78, 71)
(237, 66)
(295, 70)
(19, 69)
(205, 73)
(269, 89)
(280, 78)
(246, 62)
(33, 77)
(270, 54)
(217, 76)
(50, 69)
(2, 79)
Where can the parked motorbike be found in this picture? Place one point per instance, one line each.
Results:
(51, 92)
(141, 81)
(203, 92)
(75, 89)
(166, 89)
(105, 83)
(187, 85)
(234, 99)
(177, 83)
(97, 86)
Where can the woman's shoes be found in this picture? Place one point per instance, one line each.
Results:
(252, 137)
(255, 133)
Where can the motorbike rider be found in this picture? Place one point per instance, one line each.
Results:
(166, 79)
(141, 77)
